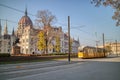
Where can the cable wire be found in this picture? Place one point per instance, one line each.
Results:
(15, 9)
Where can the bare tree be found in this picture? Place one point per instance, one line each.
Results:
(45, 18)
(113, 3)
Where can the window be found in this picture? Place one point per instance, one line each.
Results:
(22, 50)
(8, 50)
(4, 50)
(27, 40)
(23, 40)
(8, 43)
(26, 50)
(31, 39)
(0, 43)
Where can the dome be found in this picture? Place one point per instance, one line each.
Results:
(25, 20)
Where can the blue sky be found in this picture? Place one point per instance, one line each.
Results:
(94, 20)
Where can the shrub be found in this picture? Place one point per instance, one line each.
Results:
(58, 54)
(5, 55)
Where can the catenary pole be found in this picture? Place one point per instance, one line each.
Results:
(69, 38)
(116, 46)
(103, 44)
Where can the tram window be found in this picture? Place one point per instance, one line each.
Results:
(80, 51)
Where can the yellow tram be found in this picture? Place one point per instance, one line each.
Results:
(91, 52)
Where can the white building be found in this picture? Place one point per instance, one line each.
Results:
(64, 44)
(75, 45)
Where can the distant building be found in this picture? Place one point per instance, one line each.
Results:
(115, 47)
(75, 45)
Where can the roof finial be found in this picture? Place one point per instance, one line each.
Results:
(26, 11)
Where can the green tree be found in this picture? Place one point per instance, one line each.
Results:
(71, 42)
(41, 41)
(113, 3)
(57, 47)
(45, 19)
(108, 48)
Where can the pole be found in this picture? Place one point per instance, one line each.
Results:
(116, 46)
(103, 44)
(69, 37)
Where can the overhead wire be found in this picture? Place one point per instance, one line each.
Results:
(15, 9)
(77, 28)
(8, 20)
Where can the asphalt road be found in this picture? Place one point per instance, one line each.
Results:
(77, 69)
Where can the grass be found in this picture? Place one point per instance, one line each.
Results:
(28, 59)
(25, 61)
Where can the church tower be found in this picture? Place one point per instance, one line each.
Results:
(0, 28)
(5, 29)
(24, 22)
(78, 41)
(13, 33)
(25, 31)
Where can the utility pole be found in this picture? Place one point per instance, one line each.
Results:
(103, 44)
(116, 46)
(97, 46)
(69, 38)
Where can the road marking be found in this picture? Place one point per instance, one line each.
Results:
(18, 67)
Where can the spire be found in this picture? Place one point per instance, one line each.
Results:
(0, 23)
(5, 29)
(26, 11)
(13, 32)
(0, 28)
(78, 41)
